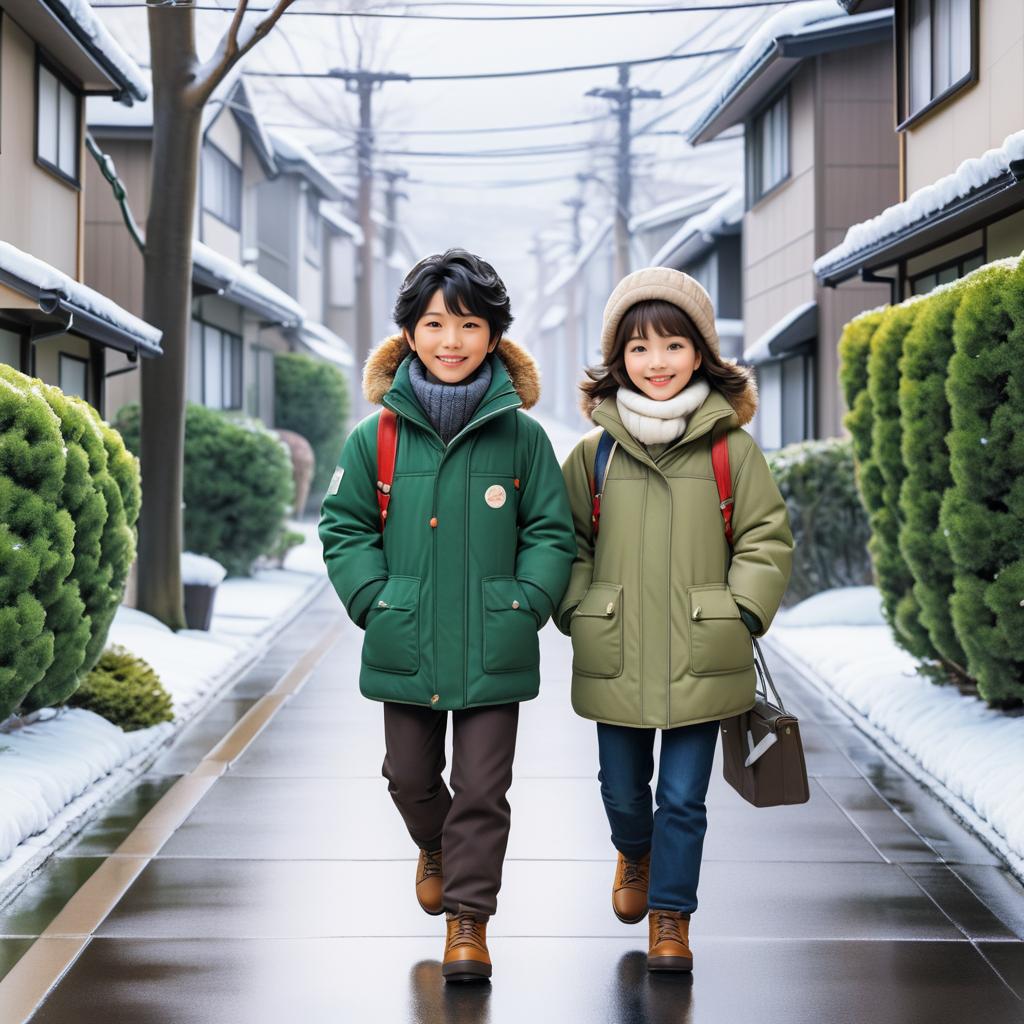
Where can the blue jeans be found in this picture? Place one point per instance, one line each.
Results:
(674, 833)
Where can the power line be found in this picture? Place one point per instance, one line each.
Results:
(506, 74)
(455, 131)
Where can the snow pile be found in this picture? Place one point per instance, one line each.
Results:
(200, 570)
(105, 44)
(787, 22)
(927, 201)
(844, 606)
(723, 212)
(971, 756)
(42, 276)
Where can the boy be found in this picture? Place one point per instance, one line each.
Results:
(452, 576)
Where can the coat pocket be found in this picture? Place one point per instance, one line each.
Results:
(596, 631)
(510, 627)
(719, 641)
(392, 639)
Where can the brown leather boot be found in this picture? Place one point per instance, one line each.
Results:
(430, 882)
(669, 948)
(629, 890)
(465, 951)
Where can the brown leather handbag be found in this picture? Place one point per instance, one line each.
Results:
(763, 758)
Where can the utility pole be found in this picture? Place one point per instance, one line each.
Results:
(623, 98)
(364, 83)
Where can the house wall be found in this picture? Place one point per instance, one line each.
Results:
(981, 116)
(44, 218)
(225, 134)
(858, 177)
(1005, 237)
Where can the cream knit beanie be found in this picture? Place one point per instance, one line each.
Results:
(659, 283)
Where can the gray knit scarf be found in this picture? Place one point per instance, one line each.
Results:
(449, 407)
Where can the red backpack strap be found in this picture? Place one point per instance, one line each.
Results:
(387, 451)
(723, 477)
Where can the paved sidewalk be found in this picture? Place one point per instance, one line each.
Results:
(287, 893)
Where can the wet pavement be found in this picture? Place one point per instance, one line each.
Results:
(286, 894)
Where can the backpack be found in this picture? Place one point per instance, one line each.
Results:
(719, 460)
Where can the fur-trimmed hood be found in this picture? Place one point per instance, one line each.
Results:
(744, 406)
(384, 360)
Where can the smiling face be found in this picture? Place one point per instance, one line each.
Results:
(451, 346)
(660, 367)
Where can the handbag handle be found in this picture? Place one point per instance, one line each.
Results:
(765, 676)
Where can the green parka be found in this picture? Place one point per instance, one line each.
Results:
(451, 611)
(653, 607)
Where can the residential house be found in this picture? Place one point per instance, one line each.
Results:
(958, 119)
(53, 55)
(813, 90)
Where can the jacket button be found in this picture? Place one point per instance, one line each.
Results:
(696, 612)
(435, 698)
(610, 608)
(515, 604)
(433, 522)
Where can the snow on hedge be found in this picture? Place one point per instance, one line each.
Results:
(970, 755)
(927, 201)
(38, 274)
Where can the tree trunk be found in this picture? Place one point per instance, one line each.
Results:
(167, 301)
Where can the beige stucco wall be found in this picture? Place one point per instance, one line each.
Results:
(1006, 237)
(44, 218)
(980, 117)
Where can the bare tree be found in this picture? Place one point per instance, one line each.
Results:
(182, 84)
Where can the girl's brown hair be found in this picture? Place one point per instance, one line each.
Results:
(669, 321)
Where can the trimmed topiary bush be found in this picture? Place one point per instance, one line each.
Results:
(854, 349)
(125, 690)
(238, 484)
(311, 397)
(983, 511)
(924, 424)
(830, 527)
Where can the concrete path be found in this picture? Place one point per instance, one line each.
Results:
(285, 893)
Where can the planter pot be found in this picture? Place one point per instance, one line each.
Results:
(199, 605)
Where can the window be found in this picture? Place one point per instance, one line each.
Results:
(57, 123)
(73, 376)
(785, 400)
(952, 271)
(214, 367)
(768, 152)
(313, 227)
(10, 348)
(222, 187)
(938, 52)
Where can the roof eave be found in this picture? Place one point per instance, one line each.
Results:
(89, 325)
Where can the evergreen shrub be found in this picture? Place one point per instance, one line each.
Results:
(312, 398)
(125, 690)
(238, 484)
(830, 527)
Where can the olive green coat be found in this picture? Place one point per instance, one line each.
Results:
(652, 610)
(451, 610)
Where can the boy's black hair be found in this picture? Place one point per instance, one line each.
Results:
(469, 284)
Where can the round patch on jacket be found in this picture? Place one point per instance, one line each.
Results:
(495, 496)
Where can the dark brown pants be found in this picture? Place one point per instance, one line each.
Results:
(469, 824)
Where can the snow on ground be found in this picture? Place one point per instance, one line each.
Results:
(971, 756)
(62, 766)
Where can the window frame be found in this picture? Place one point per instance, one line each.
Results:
(72, 357)
(755, 190)
(235, 381)
(904, 117)
(237, 175)
(956, 261)
(43, 61)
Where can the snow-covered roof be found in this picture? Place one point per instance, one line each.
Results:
(300, 158)
(798, 325)
(781, 41)
(675, 209)
(78, 20)
(724, 213)
(53, 289)
(920, 206)
(337, 219)
(246, 287)
(323, 342)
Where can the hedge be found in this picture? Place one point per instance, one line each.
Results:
(312, 398)
(125, 690)
(830, 528)
(238, 484)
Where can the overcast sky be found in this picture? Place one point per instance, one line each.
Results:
(467, 199)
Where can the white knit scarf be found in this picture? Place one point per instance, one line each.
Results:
(657, 422)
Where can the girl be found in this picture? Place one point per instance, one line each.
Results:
(452, 576)
(660, 617)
